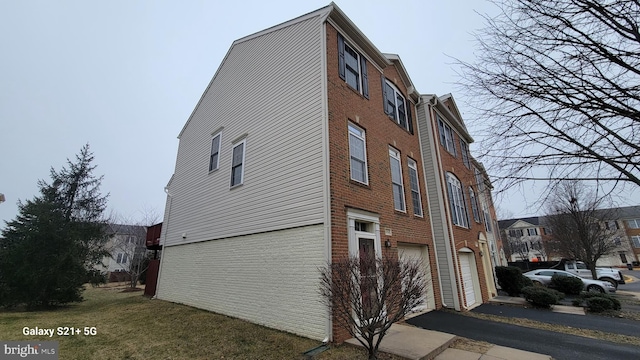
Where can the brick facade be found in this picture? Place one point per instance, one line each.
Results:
(346, 105)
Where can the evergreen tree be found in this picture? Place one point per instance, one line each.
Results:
(53, 246)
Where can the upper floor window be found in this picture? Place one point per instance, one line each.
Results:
(396, 106)
(456, 201)
(612, 225)
(237, 164)
(464, 150)
(415, 188)
(396, 180)
(214, 158)
(516, 233)
(352, 67)
(358, 154)
(122, 258)
(634, 223)
(474, 205)
(479, 179)
(636, 241)
(446, 136)
(532, 231)
(487, 219)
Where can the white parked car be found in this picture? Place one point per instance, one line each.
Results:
(543, 277)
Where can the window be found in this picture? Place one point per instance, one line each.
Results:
(446, 136)
(361, 226)
(474, 205)
(396, 180)
(634, 223)
(352, 67)
(515, 233)
(357, 152)
(415, 188)
(479, 179)
(122, 258)
(396, 106)
(636, 241)
(617, 241)
(612, 225)
(464, 150)
(532, 231)
(487, 219)
(237, 164)
(214, 159)
(456, 201)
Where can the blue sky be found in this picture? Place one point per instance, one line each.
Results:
(124, 76)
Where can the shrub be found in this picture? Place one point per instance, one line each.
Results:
(599, 304)
(567, 284)
(558, 294)
(511, 280)
(585, 295)
(539, 296)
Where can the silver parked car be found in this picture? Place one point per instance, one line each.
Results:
(543, 277)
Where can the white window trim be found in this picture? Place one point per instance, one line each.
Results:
(635, 240)
(217, 165)
(395, 154)
(362, 137)
(359, 70)
(396, 114)
(636, 223)
(475, 209)
(457, 201)
(449, 142)
(244, 153)
(358, 215)
(414, 166)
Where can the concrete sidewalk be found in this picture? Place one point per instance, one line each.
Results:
(417, 344)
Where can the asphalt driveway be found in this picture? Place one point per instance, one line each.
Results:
(559, 346)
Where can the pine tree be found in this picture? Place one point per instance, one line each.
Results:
(52, 247)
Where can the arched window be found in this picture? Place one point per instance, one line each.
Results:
(456, 201)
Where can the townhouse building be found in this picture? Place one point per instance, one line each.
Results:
(294, 159)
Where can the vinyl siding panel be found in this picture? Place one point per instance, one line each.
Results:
(268, 90)
(269, 278)
(437, 208)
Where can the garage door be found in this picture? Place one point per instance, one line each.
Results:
(419, 252)
(467, 280)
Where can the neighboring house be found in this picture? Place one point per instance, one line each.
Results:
(125, 243)
(629, 223)
(526, 237)
(523, 239)
(305, 149)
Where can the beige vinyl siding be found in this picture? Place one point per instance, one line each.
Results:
(269, 278)
(267, 91)
(436, 205)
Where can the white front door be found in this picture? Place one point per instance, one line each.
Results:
(467, 279)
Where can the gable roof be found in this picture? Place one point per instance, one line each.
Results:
(333, 14)
(506, 224)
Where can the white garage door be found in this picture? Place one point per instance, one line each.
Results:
(467, 280)
(419, 252)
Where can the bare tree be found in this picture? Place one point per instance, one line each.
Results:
(367, 295)
(518, 247)
(556, 89)
(577, 219)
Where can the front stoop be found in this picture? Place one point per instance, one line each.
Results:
(412, 342)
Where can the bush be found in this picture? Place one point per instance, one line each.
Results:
(615, 303)
(599, 304)
(511, 280)
(558, 294)
(567, 284)
(539, 296)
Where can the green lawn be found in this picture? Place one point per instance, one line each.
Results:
(130, 326)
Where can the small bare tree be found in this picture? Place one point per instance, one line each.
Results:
(576, 219)
(367, 294)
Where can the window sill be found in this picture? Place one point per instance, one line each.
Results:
(360, 184)
(236, 186)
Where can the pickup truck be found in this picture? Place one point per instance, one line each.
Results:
(579, 268)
